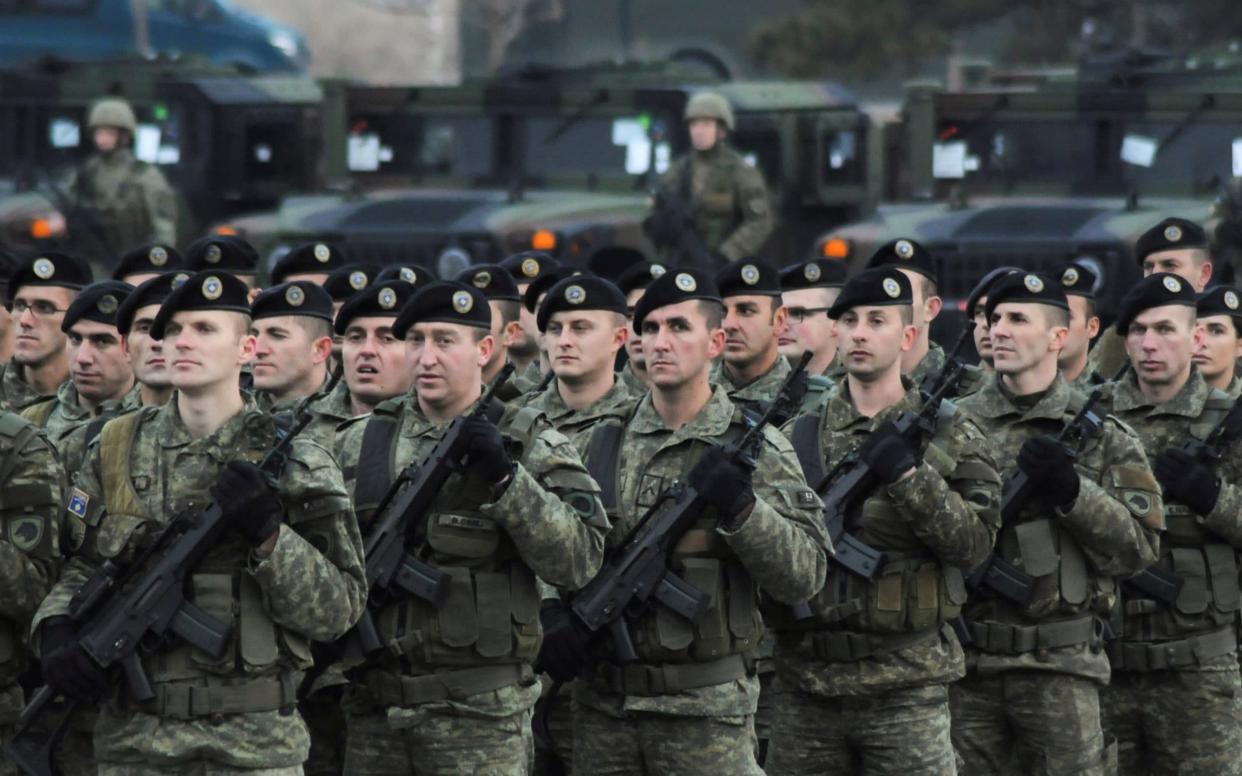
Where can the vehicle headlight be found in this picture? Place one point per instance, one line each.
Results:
(452, 261)
(284, 41)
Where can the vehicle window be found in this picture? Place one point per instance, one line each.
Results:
(760, 146)
(422, 144)
(604, 146)
(47, 6)
(842, 157)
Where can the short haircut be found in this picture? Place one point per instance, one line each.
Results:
(713, 312)
(928, 287)
(243, 322)
(315, 328)
(510, 311)
(906, 313)
(1057, 316)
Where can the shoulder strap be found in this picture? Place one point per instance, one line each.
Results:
(40, 412)
(523, 425)
(116, 440)
(1215, 409)
(809, 448)
(374, 476)
(603, 460)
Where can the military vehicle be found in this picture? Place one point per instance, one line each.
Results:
(1038, 169)
(561, 161)
(227, 142)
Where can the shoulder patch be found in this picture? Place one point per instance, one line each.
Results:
(78, 502)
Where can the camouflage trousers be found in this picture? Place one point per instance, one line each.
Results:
(650, 743)
(194, 769)
(554, 746)
(1184, 722)
(326, 722)
(438, 741)
(1031, 722)
(897, 732)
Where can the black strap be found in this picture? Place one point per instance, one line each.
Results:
(374, 476)
(602, 461)
(806, 445)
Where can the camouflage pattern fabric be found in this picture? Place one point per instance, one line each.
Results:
(306, 593)
(761, 390)
(973, 376)
(67, 422)
(128, 202)
(15, 393)
(191, 769)
(328, 412)
(1108, 354)
(618, 403)
(631, 383)
(729, 200)
(529, 378)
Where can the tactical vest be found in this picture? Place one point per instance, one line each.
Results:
(492, 612)
(122, 215)
(40, 412)
(16, 435)
(913, 592)
(733, 625)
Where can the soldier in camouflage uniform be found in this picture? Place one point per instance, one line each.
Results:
(224, 253)
(141, 264)
(506, 303)
(633, 283)
(8, 265)
(287, 571)
(120, 202)
(146, 355)
(1030, 699)
(341, 285)
(976, 312)
(292, 327)
(725, 195)
(751, 368)
(377, 364)
(864, 672)
(1078, 284)
(1217, 355)
(807, 292)
(687, 706)
(1175, 700)
(31, 495)
(453, 689)
(526, 268)
(312, 263)
(1174, 245)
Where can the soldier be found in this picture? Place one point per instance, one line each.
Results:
(807, 292)
(141, 264)
(687, 705)
(1173, 702)
(1078, 284)
(1217, 355)
(506, 303)
(341, 285)
(865, 674)
(975, 311)
(633, 284)
(377, 364)
(1173, 245)
(531, 299)
(292, 328)
(712, 192)
(525, 268)
(224, 253)
(119, 201)
(453, 690)
(751, 368)
(8, 265)
(312, 262)
(1030, 699)
(40, 292)
(288, 570)
(146, 356)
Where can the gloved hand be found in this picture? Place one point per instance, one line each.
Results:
(485, 450)
(723, 484)
(250, 506)
(1186, 481)
(887, 453)
(66, 666)
(1052, 473)
(563, 655)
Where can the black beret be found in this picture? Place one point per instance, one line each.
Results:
(1220, 300)
(8, 265)
(747, 277)
(613, 261)
(493, 280)
(222, 253)
(906, 254)
(382, 300)
(674, 287)
(410, 273)
(877, 287)
(816, 273)
(1158, 290)
(150, 291)
(310, 259)
(218, 290)
(640, 276)
(97, 302)
(349, 280)
(1078, 280)
(528, 266)
(445, 302)
(297, 297)
(1025, 288)
(544, 283)
(1170, 234)
(585, 292)
(981, 288)
(148, 259)
(51, 269)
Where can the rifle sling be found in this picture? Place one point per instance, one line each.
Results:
(374, 476)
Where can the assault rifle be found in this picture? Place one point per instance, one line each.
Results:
(672, 224)
(122, 614)
(392, 570)
(638, 574)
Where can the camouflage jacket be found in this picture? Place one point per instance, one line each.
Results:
(1168, 426)
(931, 526)
(1235, 387)
(124, 202)
(780, 545)
(329, 411)
(65, 420)
(528, 379)
(1108, 354)
(1088, 380)
(759, 391)
(578, 424)
(973, 376)
(15, 393)
(1110, 530)
(310, 588)
(729, 200)
(631, 383)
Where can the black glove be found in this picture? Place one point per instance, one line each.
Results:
(723, 483)
(66, 666)
(563, 655)
(248, 501)
(1053, 477)
(485, 450)
(1186, 481)
(887, 453)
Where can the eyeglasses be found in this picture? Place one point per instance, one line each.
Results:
(799, 314)
(38, 308)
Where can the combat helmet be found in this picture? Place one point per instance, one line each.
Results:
(710, 105)
(113, 112)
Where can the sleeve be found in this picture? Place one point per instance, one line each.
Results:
(756, 216)
(1225, 519)
(782, 542)
(552, 512)
(314, 581)
(161, 204)
(1117, 520)
(30, 511)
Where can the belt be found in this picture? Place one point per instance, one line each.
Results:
(1020, 639)
(187, 701)
(647, 680)
(391, 689)
(849, 647)
(1141, 656)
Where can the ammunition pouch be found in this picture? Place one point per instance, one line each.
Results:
(1005, 639)
(1209, 595)
(647, 680)
(1143, 656)
(1063, 581)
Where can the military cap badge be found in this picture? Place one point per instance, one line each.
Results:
(212, 288)
(44, 268)
(158, 256)
(575, 295)
(1171, 283)
(358, 280)
(295, 296)
(1033, 284)
(904, 249)
(387, 298)
(462, 302)
(1172, 233)
(750, 274)
(482, 279)
(892, 288)
(686, 282)
(107, 304)
(408, 275)
(530, 267)
(1069, 277)
(179, 280)
(657, 270)
(322, 253)
(812, 272)
(213, 254)
(1231, 300)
